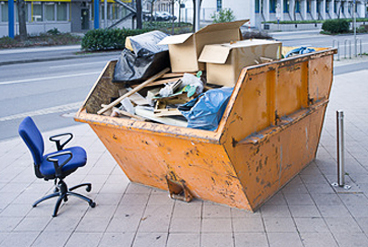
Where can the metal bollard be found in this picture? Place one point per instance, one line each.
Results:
(345, 49)
(350, 49)
(340, 151)
(334, 45)
(340, 148)
(360, 48)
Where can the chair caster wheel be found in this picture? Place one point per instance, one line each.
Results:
(92, 204)
(88, 189)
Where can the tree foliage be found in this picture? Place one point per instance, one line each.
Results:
(224, 15)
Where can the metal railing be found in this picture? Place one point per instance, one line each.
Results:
(348, 49)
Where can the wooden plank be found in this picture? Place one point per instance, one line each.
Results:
(167, 112)
(144, 84)
(178, 74)
(142, 111)
(159, 82)
(125, 113)
(171, 75)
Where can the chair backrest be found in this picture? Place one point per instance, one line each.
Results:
(33, 139)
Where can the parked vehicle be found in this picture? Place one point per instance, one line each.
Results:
(158, 16)
(167, 16)
(146, 15)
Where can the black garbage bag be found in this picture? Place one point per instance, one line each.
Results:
(146, 59)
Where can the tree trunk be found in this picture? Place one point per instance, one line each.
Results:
(179, 13)
(22, 19)
(152, 5)
(194, 13)
(139, 13)
(172, 13)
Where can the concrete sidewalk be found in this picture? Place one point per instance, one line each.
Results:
(306, 212)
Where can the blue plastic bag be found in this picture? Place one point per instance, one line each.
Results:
(205, 111)
(299, 50)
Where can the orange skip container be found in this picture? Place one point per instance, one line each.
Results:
(269, 132)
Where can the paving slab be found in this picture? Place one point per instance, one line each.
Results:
(308, 211)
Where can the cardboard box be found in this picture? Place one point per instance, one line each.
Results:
(225, 61)
(184, 49)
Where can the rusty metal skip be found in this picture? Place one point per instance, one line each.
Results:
(269, 132)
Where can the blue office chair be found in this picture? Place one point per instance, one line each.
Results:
(56, 165)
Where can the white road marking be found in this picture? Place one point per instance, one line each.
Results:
(50, 110)
(77, 64)
(38, 49)
(48, 78)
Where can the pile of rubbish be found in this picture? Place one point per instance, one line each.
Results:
(184, 80)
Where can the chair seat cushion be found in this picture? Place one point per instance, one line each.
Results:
(79, 159)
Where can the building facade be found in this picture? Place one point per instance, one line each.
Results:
(259, 11)
(78, 15)
(65, 15)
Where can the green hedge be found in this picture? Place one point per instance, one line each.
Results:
(336, 26)
(166, 27)
(108, 39)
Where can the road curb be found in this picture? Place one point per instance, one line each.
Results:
(33, 60)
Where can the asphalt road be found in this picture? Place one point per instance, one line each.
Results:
(51, 92)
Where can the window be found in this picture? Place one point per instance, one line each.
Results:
(318, 7)
(327, 6)
(102, 11)
(309, 6)
(297, 7)
(335, 7)
(4, 11)
(286, 6)
(109, 11)
(272, 6)
(256, 6)
(49, 11)
(114, 11)
(37, 14)
(219, 5)
(61, 12)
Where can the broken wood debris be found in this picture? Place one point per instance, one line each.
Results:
(117, 101)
